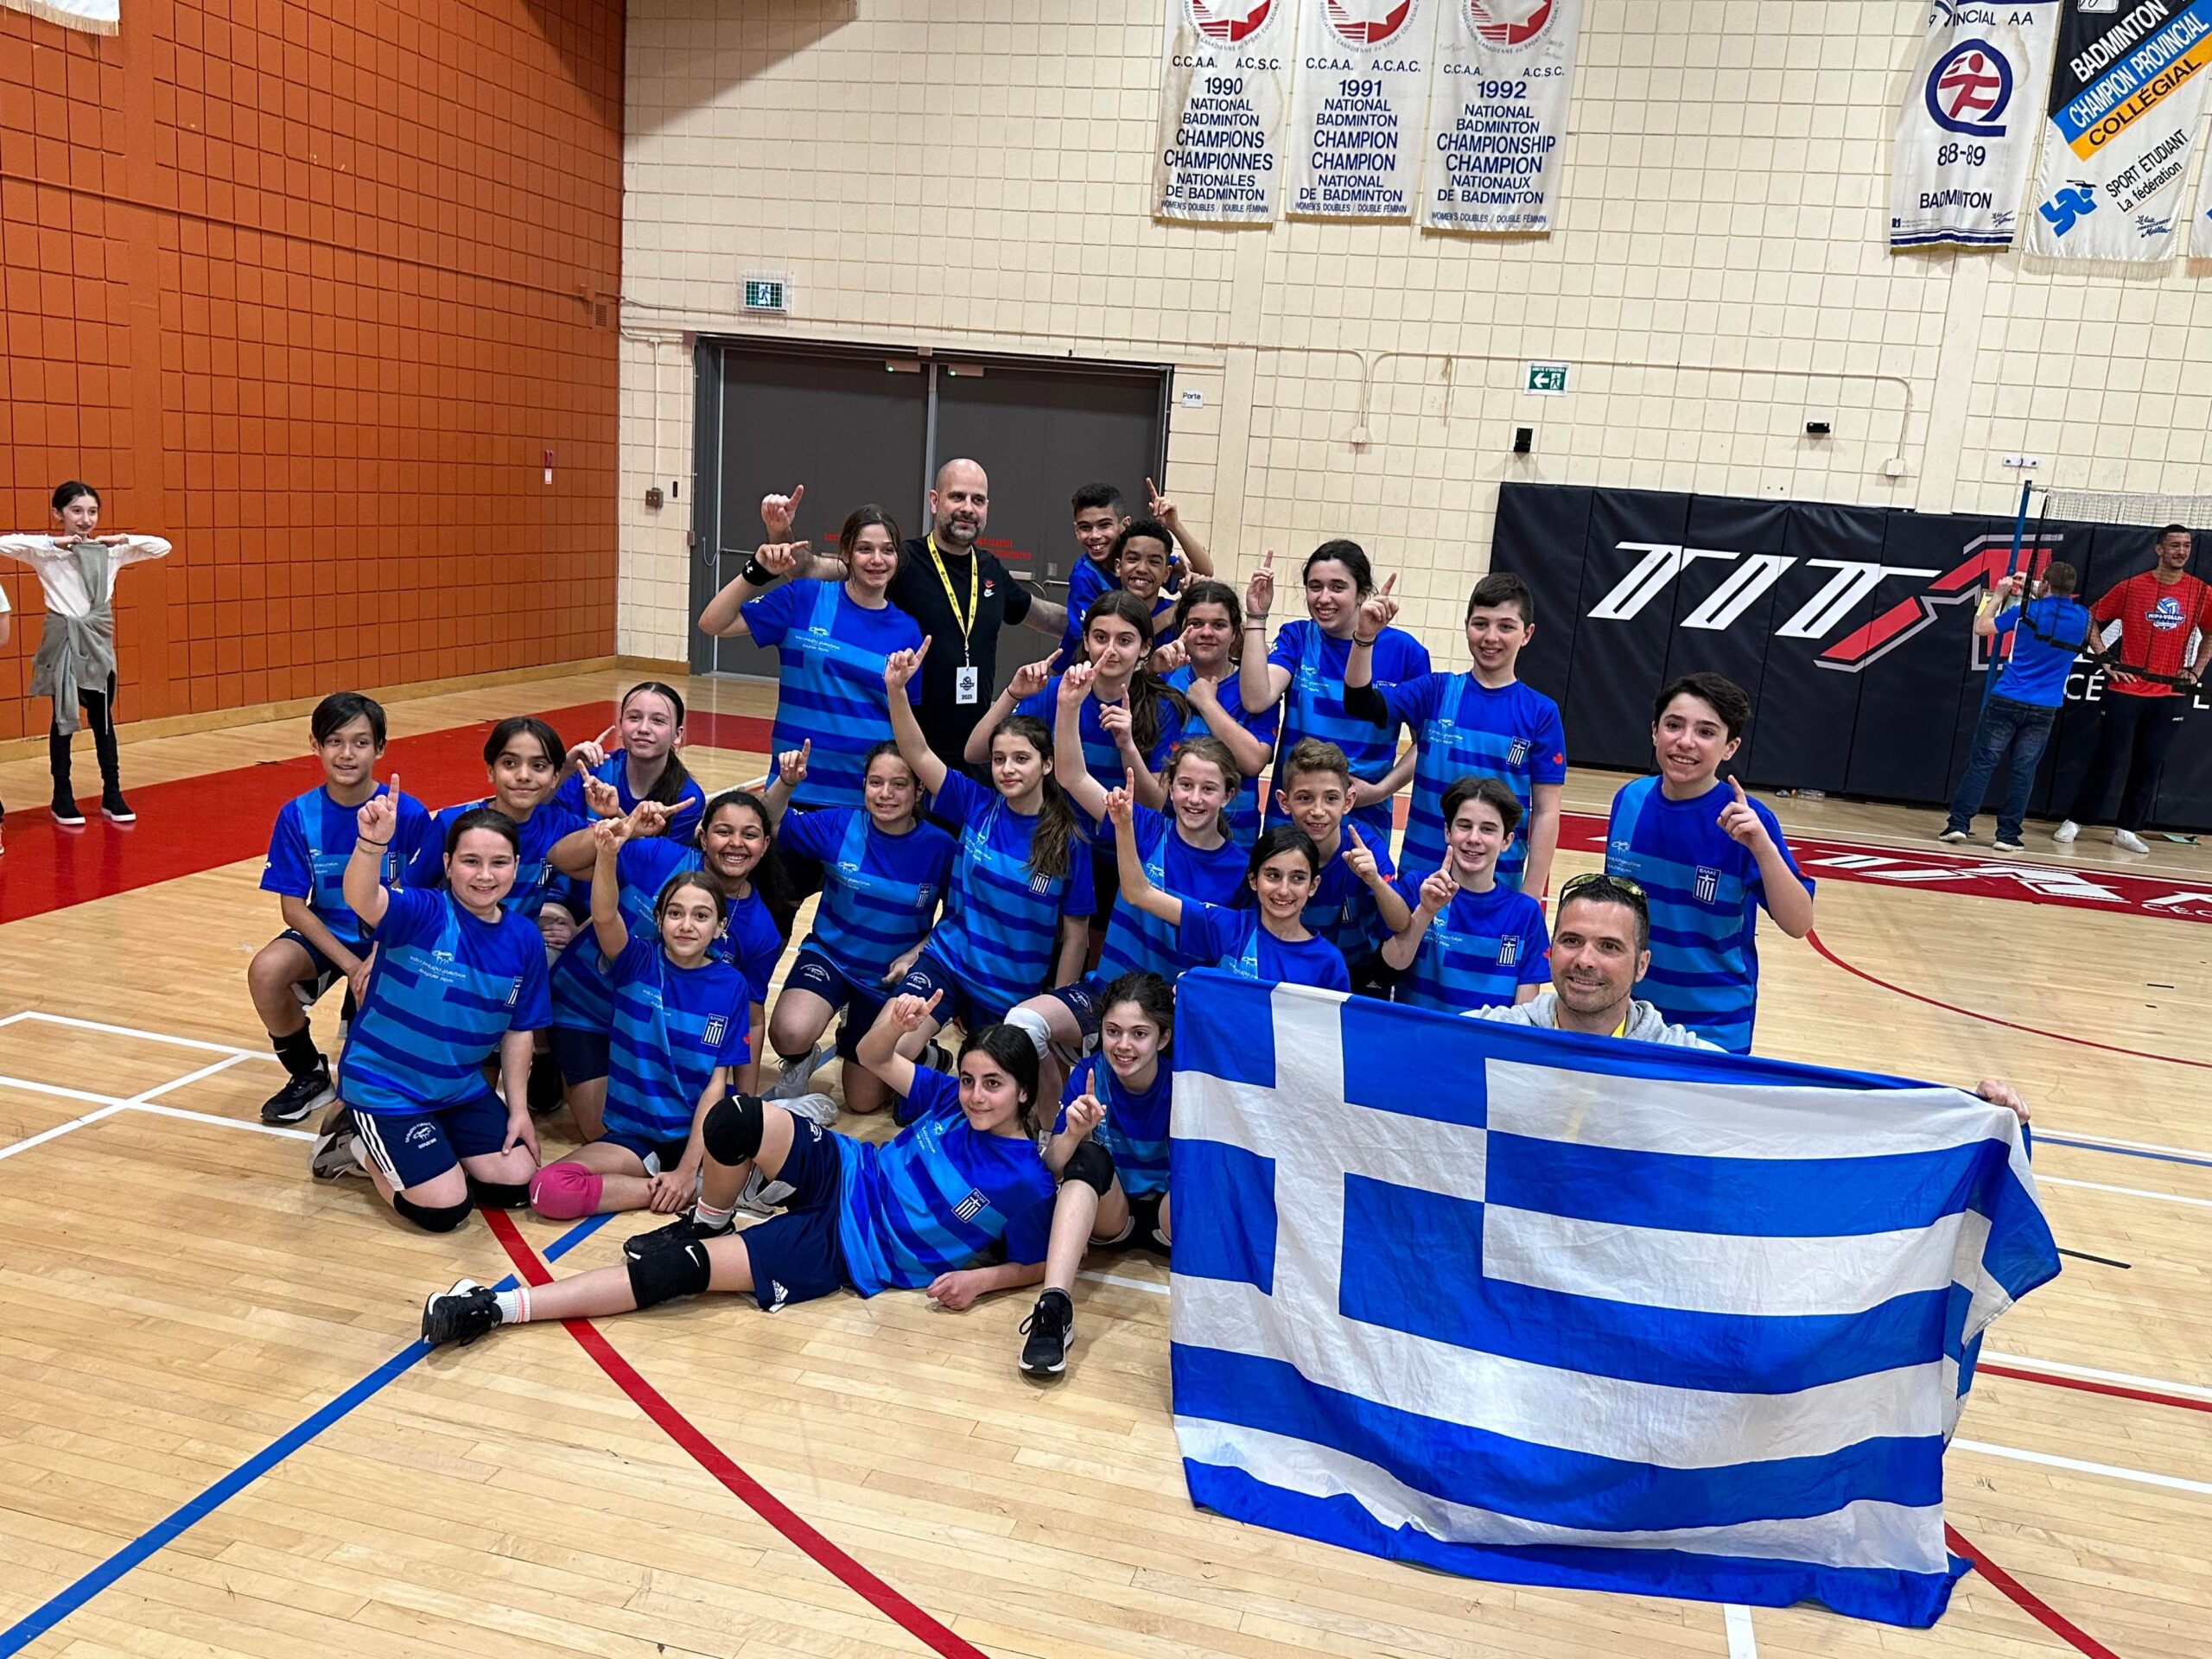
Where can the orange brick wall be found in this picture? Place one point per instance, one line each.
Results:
(309, 287)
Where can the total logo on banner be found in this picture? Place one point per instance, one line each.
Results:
(1225, 87)
(1498, 114)
(1358, 102)
(1969, 127)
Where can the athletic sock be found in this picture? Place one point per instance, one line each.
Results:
(514, 1305)
(707, 1215)
(301, 1056)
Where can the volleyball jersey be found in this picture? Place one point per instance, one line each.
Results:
(1102, 759)
(535, 877)
(1462, 726)
(1137, 940)
(1244, 814)
(312, 841)
(2156, 621)
(1136, 1129)
(683, 817)
(830, 684)
(1001, 930)
(583, 993)
(938, 1195)
(1478, 952)
(1313, 706)
(1342, 909)
(1705, 891)
(1086, 582)
(1234, 939)
(446, 986)
(672, 1026)
(880, 892)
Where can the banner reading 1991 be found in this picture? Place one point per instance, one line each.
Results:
(1221, 115)
(1359, 101)
(1497, 113)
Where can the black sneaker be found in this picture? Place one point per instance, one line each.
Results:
(684, 1229)
(332, 1155)
(66, 813)
(114, 808)
(1051, 1329)
(299, 1096)
(461, 1314)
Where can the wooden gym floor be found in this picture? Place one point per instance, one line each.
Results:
(219, 1439)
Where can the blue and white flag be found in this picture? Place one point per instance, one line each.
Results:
(1572, 1311)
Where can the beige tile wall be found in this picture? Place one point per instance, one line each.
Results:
(965, 174)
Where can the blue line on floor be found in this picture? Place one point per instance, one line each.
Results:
(2124, 1151)
(39, 1620)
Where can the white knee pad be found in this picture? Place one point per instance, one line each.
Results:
(1033, 1026)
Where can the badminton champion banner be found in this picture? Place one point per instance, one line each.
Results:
(1497, 113)
(1967, 132)
(1224, 95)
(1595, 1314)
(2200, 241)
(2126, 101)
(1358, 103)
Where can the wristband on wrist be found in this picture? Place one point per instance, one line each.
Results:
(757, 573)
(360, 841)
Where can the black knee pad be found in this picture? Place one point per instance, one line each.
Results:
(734, 1128)
(545, 1087)
(662, 1275)
(1093, 1166)
(499, 1195)
(435, 1218)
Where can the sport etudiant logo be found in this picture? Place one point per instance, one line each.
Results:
(1508, 22)
(1367, 23)
(1229, 21)
(1969, 88)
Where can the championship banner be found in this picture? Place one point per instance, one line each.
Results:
(1221, 103)
(1359, 103)
(1496, 113)
(92, 17)
(2125, 103)
(1581, 1313)
(1968, 129)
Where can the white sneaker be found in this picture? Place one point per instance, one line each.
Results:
(2128, 842)
(791, 1081)
(814, 1109)
(2009, 846)
(1954, 836)
(2066, 832)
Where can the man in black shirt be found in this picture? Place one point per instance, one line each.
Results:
(961, 597)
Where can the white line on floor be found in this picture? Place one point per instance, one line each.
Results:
(1126, 1284)
(2127, 1191)
(1741, 1644)
(60, 1130)
(224, 1123)
(208, 1070)
(2140, 1477)
(149, 1036)
(2132, 1146)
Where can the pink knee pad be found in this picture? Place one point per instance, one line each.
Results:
(565, 1192)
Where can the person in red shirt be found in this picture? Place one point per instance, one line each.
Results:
(2159, 613)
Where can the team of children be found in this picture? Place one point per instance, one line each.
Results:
(1102, 833)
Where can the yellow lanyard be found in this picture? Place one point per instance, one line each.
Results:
(967, 621)
(1620, 1030)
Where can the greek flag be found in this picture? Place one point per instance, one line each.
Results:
(1575, 1310)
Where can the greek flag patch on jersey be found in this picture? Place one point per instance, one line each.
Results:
(971, 1206)
(715, 1028)
(1708, 884)
(1518, 754)
(1508, 951)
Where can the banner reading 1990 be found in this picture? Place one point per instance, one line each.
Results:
(1359, 101)
(1221, 115)
(1497, 113)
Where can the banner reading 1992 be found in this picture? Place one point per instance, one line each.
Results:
(1359, 100)
(1497, 113)
(1221, 115)
(2125, 103)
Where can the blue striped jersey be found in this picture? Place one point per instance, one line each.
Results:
(535, 877)
(1101, 757)
(1137, 940)
(1071, 651)
(583, 994)
(1705, 891)
(880, 892)
(1235, 940)
(1136, 1129)
(1462, 726)
(446, 986)
(830, 682)
(683, 817)
(312, 841)
(1342, 909)
(672, 1026)
(1245, 815)
(1479, 952)
(938, 1195)
(1314, 704)
(1001, 930)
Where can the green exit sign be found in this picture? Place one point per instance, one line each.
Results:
(1548, 379)
(767, 294)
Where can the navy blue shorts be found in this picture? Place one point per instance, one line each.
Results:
(813, 971)
(1086, 1001)
(412, 1148)
(655, 1156)
(796, 1257)
(580, 1054)
(929, 975)
(311, 991)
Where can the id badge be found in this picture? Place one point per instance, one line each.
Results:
(967, 684)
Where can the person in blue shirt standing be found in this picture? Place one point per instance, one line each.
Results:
(1472, 942)
(456, 981)
(323, 942)
(522, 761)
(1210, 623)
(598, 782)
(1708, 859)
(1304, 670)
(2047, 633)
(1483, 723)
(913, 1213)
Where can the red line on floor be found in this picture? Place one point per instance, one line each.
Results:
(711, 1458)
(1815, 941)
(2148, 1395)
(2036, 1607)
(202, 823)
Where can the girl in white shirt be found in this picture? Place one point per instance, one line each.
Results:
(75, 664)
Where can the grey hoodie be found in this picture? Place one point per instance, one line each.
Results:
(1645, 1023)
